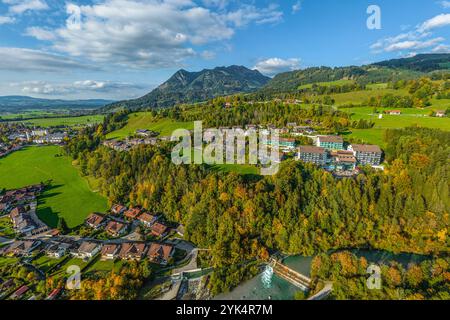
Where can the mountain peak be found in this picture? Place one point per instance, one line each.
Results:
(188, 87)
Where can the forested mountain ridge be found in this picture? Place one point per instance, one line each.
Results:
(385, 71)
(191, 87)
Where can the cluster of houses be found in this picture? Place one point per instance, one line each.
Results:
(6, 149)
(143, 137)
(117, 224)
(158, 253)
(20, 204)
(330, 152)
(38, 136)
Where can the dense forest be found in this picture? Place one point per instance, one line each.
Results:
(429, 279)
(301, 210)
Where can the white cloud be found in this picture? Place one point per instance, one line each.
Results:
(296, 7)
(152, 33)
(25, 60)
(273, 66)
(445, 4)
(412, 45)
(418, 39)
(40, 33)
(438, 21)
(20, 6)
(5, 20)
(83, 87)
(442, 48)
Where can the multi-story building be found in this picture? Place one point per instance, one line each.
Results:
(312, 154)
(330, 142)
(367, 154)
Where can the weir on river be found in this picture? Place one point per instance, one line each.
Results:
(294, 277)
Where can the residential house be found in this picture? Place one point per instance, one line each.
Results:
(88, 250)
(160, 253)
(146, 133)
(22, 248)
(159, 230)
(330, 142)
(19, 292)
(312, 154)
(110, 251)
(132, 251)
(440, 113)
(118, 209)
(147, 219)
(116, 229)
(57, 250)
(393, 112)
(132, 213)
(95, 221)
(367, 154)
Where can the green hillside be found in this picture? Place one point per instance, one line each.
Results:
(69, 195)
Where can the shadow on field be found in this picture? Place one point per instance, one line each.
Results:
(46, 213)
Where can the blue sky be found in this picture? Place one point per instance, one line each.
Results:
(117, 49)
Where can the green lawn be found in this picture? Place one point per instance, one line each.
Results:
(105, 266)
(10, 261)
(65, 121)
(144, 120)
(45, 263)
(327, 84)
(69, 195)
(6, 228)
(409, 117)
(356, 97)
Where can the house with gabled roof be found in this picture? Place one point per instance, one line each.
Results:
(116, 229)
(22, 248)
(160, 253)
(87, 250)
(159, 230)
(132, 251)
(110, 251)
(95, 221)
(118, 209)
(147, 219)
(132, 213)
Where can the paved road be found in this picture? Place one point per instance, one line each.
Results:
(322, 294)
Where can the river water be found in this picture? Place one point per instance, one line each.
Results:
(268, 286)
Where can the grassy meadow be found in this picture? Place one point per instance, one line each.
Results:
(145, 120)
(409, 117)
(64, 121)
(69, 195)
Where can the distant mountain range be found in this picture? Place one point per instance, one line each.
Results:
(190, 87)
(21, 103)
(391, 70)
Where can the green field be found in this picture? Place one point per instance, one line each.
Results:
(144, 120)
(64, 121)
(357, 97)
(327, 84)
(6, 227)
(409, 117)
(69, 195)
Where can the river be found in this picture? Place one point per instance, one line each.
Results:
(267, 286)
